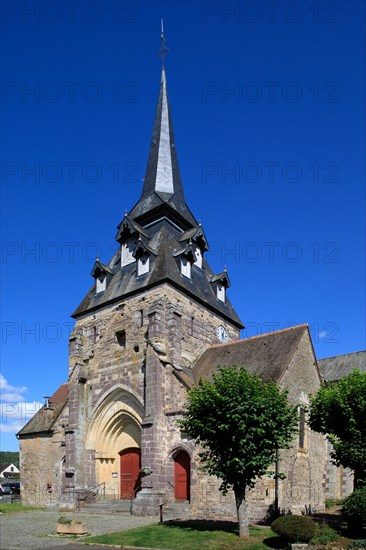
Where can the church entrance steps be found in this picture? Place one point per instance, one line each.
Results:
(107, 507)
(172, 510)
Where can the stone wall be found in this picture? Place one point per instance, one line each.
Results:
(125, 391)
(132, 347)
(303, 466)
(339, 480)
(42, 466)
(304, 486)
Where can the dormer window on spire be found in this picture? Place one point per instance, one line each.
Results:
(127, 249)
(221, 292)
(199, 258)
(143, 265)
(102, 275)
(221, 283)
(127, 236)
(197, 239)
(142, 255)
(185, 267)
(187, 258)
(101, 283)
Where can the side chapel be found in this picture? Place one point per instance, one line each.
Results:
(156, 320)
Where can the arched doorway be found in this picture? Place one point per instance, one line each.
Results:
(130, 464)
(115, 426)
(182, 477)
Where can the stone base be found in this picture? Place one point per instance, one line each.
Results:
(67, 502)
(71, 528)
(66, 507)
(147, 502)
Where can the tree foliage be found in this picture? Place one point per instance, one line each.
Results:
(354, 510)
(239, 420)
(339, 411)
(9, 456)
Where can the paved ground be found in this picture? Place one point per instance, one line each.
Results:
(27, 530)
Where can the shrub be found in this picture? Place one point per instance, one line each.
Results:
(295, 528)
(64, 521)
(360, 543)
(324, 535)
(354, 510)
(330, 502)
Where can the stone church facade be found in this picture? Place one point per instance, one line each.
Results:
(156, 320)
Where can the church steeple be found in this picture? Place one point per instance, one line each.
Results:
(162, 189)
(160, 240)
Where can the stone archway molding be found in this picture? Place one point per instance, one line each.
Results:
(115, 425)
(116, 408)
(112, 390)
(181, 446)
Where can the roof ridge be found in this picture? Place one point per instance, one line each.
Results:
(342, 355)
(301, 325)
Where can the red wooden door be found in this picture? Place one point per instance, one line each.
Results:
(182, 467)
(130, 464)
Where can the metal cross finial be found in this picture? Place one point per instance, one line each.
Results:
(163, 50)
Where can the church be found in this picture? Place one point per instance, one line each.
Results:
(156, 320)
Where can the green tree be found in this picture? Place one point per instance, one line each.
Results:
(339, 411)
(9, 456)
(239, 420)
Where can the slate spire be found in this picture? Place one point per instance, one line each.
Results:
(160, 240)
(162, 190)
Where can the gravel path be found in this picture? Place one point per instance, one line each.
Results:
(27, 530)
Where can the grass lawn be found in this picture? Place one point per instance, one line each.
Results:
(8, 507)
(192, 535)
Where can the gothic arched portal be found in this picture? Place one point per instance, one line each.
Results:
(115, 427)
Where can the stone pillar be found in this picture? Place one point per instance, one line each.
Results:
(153, 440)
(74, 437)
(174, 334)
(90, 470)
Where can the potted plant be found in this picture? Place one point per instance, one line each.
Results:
(66, 526)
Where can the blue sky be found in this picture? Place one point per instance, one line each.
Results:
(268, 103)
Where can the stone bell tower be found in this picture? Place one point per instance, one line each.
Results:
(154, 308)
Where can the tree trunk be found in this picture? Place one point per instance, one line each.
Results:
(242, 512)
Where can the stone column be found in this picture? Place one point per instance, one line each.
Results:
(153, 439)
(74, 439)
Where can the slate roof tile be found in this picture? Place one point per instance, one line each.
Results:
(335, 368)
(163, 268)
(267, 355)
(44, 419)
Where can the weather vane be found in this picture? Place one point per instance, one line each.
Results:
(163, 50)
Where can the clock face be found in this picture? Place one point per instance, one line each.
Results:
(222, 334)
